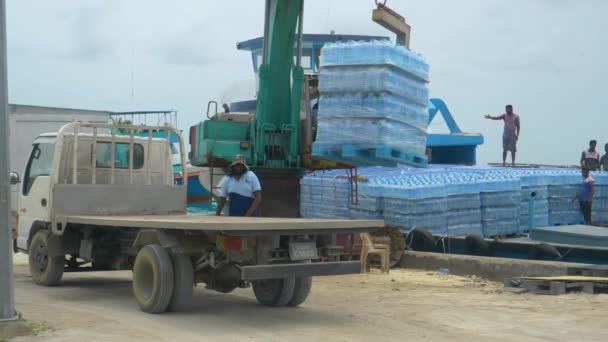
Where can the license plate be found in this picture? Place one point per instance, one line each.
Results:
(303, 251)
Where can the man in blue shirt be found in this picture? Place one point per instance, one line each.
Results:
(585, 195)
(243, 190)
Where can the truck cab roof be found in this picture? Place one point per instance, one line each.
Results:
(51, 137)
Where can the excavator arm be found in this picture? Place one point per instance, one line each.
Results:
(270, 138)
(277, 120)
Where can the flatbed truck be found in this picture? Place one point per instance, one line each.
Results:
(93, 199)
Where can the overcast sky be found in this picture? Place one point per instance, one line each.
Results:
(546, 57)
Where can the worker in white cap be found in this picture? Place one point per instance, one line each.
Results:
(242, 189)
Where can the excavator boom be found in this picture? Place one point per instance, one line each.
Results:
(277, 120)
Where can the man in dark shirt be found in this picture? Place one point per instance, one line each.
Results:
(604, 159)
(585, 195)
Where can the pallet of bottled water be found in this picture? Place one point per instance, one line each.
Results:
(373, 106)
(562, 209)
(600, 200)
(453, 200)
(500, 205)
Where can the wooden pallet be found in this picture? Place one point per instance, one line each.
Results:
(370, 155)
(560, 285)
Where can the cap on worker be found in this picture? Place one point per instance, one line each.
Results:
(239, 159)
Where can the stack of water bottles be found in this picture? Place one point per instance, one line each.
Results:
(373, 104)
(535, 199)
(563, 210)
(412, 200)
(368, 204)
(464, 203)
(500, 205)
(455, 200)
(325, 197)
(600, 200)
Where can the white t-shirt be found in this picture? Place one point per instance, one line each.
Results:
(246, 186)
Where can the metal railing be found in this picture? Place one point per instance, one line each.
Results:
(76, 128)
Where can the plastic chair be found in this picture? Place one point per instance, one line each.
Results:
(369, 248)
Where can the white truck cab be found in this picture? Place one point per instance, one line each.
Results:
(52, 163)
(35, 187)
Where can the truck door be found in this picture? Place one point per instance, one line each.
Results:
(35, 191)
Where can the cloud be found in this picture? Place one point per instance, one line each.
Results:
(191, 47)
(92, 33)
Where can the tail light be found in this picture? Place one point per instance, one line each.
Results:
(229, 243)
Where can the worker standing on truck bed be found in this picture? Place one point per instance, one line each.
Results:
(585, 195)
(242, 187)
(510, 134)
(590, 157)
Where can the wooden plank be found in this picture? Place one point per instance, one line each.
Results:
(223, 223)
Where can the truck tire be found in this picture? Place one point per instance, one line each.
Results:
(45, 270)
(274, 292)
(153, 279)
(301, 291)
(183, 286)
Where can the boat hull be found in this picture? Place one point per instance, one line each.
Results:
(196, 192)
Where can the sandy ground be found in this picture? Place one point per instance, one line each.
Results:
(405, 305)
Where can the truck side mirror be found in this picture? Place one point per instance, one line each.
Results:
(15, 178)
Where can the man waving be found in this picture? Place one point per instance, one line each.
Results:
(510, 134)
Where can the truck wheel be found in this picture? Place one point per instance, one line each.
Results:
(301, 291)
(153, 279)
(274, 292)
(45, 270)
(183, 286)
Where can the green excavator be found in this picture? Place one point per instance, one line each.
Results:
(276, 140)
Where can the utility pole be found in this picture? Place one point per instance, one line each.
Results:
(7, 295)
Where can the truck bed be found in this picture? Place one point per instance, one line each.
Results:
(228, 225)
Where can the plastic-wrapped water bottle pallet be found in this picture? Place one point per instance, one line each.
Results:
(369, 155)
(464, 230)
(408, 73)
(501, 227)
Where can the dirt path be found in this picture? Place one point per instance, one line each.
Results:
(405, 305)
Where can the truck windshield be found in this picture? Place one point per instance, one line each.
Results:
(38, 165)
